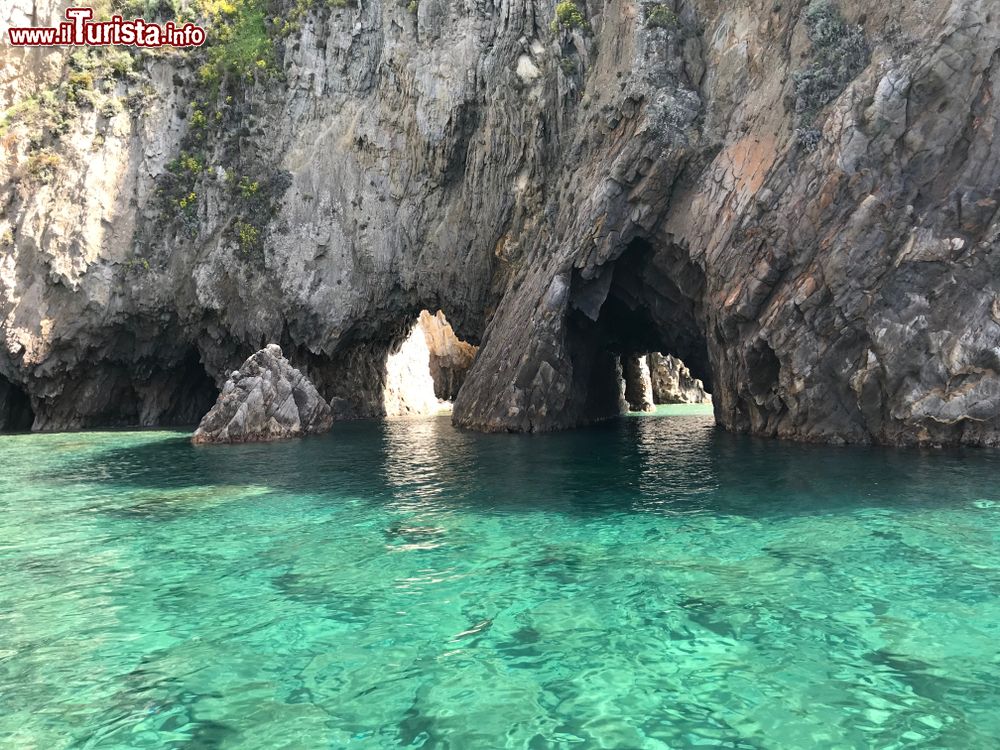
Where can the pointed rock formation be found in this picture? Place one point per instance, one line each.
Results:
(266, 399)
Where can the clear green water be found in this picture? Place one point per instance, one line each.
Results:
(652, 584)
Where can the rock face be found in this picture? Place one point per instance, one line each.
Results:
(672, 382)
(638, 384)
(798, 199)
(266, 399)
(450, 357)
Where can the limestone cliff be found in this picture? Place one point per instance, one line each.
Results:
(797, 199)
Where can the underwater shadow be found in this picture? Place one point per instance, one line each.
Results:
(666, 465)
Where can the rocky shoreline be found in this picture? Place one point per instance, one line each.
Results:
(268, 399)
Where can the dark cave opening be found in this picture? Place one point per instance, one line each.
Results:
(142, 393)
(641, 305)
(178, 395)
(16, 414)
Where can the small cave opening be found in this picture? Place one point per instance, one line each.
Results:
(178, 395)
(425, 370)
(16, 414)
(635, 336)
(170, 390)
(657, 379)
(404, 365)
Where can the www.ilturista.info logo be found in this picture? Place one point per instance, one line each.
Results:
(81, 31)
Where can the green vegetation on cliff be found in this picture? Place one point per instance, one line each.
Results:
(568, 16)
(839, 53)
(659, 16)
(94, 79)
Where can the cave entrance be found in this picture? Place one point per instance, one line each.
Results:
(16, 414)
(657, 379)
(635, 334)
(175, 396)
(146, 392)
(426, 370)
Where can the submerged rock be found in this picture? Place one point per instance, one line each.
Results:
(266, 399)
(673, 383)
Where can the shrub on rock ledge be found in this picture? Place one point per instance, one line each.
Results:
(568, 16)
(661, 17)
(840, 52)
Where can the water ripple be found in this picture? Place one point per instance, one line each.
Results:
(654, 583)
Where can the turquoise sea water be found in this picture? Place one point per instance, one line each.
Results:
(654, 583)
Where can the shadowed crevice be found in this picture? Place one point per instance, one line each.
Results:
(643, 302)
(16, 414)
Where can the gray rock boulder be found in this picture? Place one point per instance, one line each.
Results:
(266, 399)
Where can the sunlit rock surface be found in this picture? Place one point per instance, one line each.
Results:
(672, 382)
(409, 387)
(266, 399)
(450, 357)
(638, 384)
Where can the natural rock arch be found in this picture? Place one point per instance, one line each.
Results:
(413, 363)
(644, 300)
